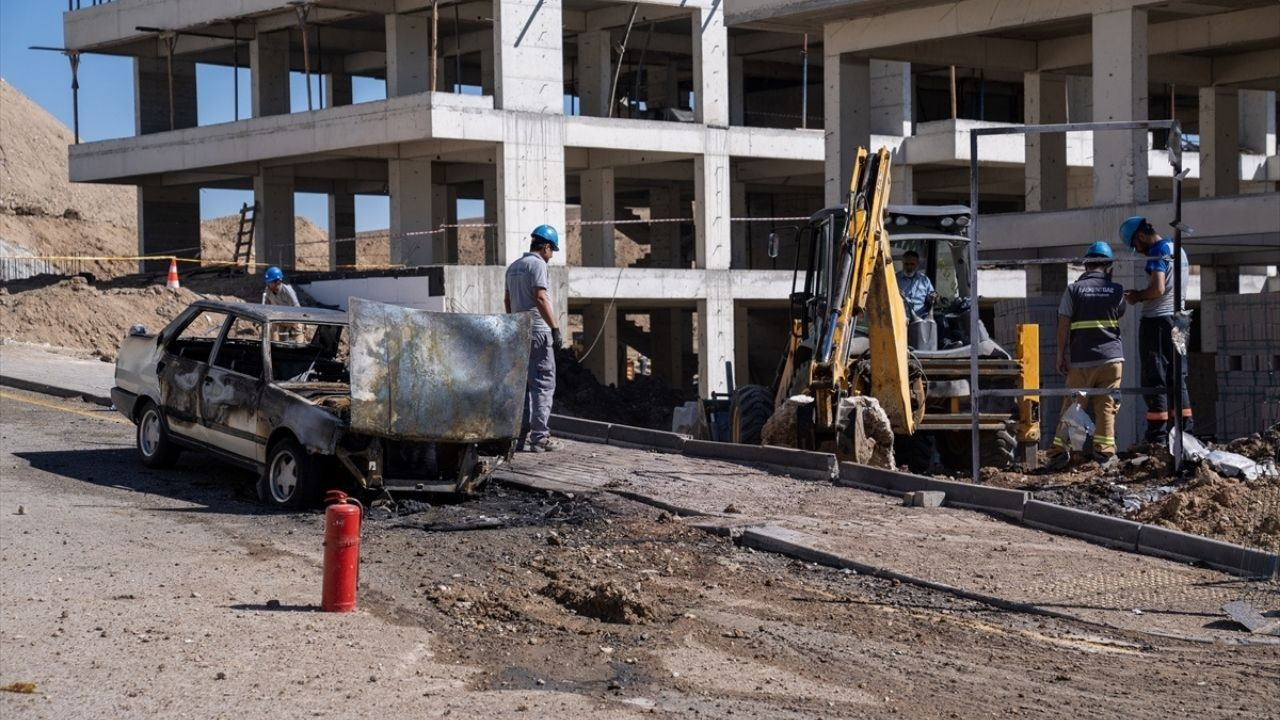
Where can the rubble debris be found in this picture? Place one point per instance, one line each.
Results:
(647, 401)
(1253, 621)
(603, 601)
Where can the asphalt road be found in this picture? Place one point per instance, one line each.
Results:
(133, 593)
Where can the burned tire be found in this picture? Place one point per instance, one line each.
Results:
(290, 478)
(750, 409)
(156, 449)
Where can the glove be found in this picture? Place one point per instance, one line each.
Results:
(557, 340)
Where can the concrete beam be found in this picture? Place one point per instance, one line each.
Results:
(1247, 68)
(990, 53)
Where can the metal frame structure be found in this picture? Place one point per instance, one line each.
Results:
(1175, 160)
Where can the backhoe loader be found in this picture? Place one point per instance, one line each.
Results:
(851, 339)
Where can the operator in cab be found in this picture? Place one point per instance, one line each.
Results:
(915, 286)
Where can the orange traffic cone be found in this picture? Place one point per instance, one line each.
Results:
(173, 274)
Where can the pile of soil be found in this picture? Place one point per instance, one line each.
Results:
(604, 601)
(79, 314)
(1141, 486)
(647, 401)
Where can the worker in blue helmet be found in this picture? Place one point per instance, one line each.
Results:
(528, 290)
(1090, 352)
(277, 291)
(1156, 348)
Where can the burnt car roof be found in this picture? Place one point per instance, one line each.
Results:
(276, 313)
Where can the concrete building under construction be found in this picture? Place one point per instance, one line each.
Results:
(695, 116)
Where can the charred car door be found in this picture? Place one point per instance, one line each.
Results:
(182, 368)
(230, 392)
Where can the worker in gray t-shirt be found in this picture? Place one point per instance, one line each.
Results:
(527, 285)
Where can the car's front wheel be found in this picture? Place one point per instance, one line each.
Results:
(289, 478)
(156, 449)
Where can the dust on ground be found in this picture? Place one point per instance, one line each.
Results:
(1141, 486)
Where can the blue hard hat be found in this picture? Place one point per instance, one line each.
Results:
(273, 274)
(1129, 228)
(549, 234)
(1099, 249)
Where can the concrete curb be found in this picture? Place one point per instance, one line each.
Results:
(579, 429)
(820, 466)
(879, 480)
(1224, 556)
(1001, 501)
(1110, 531)
(627, 436)
(45, 389)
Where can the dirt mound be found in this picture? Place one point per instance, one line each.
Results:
(647, 401)
(74, 313)
(604, 601)
(311, 242)
(1232, 509)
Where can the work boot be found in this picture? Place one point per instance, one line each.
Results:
(545, 445)
(1059, 461)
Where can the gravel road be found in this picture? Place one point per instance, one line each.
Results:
(132, 593)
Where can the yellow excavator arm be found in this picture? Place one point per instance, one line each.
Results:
(865, 286)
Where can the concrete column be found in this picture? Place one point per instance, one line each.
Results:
(337, 88)
(530, 179)
(273, 191)
(710, 66)
(664, 238)
(342, 230)
(1258, 121)
(603, 360)
(151, 95)
(1214, 283)
(847, 124)
(1044, 103)
(168, 223)
(595, 72)
(1219, 142)
(408, 54)
(487, 67)
(409, 184)
(1079, 98)
(491, 235)
(528, 47)
(1120, 93)
(597, 189)
(671, 332)
(444, 210)
(739, 236)
(713, 240)
(715, 337)
(737, 82)
(662, 86)
(902, 188)
(269, 64)
(890, 97)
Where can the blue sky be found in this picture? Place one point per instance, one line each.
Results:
(106, 100)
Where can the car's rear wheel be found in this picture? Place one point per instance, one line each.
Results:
(156, 449)
(289, 479)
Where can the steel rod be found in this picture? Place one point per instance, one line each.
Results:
(235, 65)
(617, 71)
(170, 43)
(302, 10)
(74, 57)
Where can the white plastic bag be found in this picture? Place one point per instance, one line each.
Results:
(1076, 427)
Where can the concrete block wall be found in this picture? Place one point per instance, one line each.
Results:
(1248, 363)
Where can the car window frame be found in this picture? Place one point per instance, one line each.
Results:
(213, 349)
(262, 347)
(268, 367)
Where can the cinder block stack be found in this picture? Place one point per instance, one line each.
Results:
(1248, 363)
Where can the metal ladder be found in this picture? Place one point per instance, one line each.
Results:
(243, 253)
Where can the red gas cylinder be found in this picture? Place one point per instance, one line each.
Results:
(341, 552)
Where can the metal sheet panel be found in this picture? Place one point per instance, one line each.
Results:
(444, 377)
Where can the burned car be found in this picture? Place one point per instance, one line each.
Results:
(377, 398)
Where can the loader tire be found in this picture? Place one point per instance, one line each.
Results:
(998, 449)
(750, 409)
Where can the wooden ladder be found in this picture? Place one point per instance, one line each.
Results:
(243, 253)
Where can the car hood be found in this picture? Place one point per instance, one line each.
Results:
(442, 377)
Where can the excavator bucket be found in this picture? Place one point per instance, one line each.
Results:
(440, 377)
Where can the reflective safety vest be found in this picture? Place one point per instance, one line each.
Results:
(1096, 307)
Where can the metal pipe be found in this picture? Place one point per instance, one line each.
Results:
(74, 57)
(457, 52)
(804, 83)
(1175, 157)
(303, 10)
(617, 71)
(633, 104)
(435, 42)
(235, 65)
(974, 322)
(170, 43)
(953, 92)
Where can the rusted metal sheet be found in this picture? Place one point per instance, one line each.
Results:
(445, 377)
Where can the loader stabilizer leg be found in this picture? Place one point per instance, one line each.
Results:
(1028, 433)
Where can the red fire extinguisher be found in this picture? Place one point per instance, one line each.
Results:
(341, 552)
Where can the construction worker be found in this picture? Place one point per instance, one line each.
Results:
(916, 287)
(527, 291)
(277, 292)
(1155, 330)
(1089, 349)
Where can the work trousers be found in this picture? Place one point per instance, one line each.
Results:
(1156, 351)
(539, 390)
(1104, 406)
